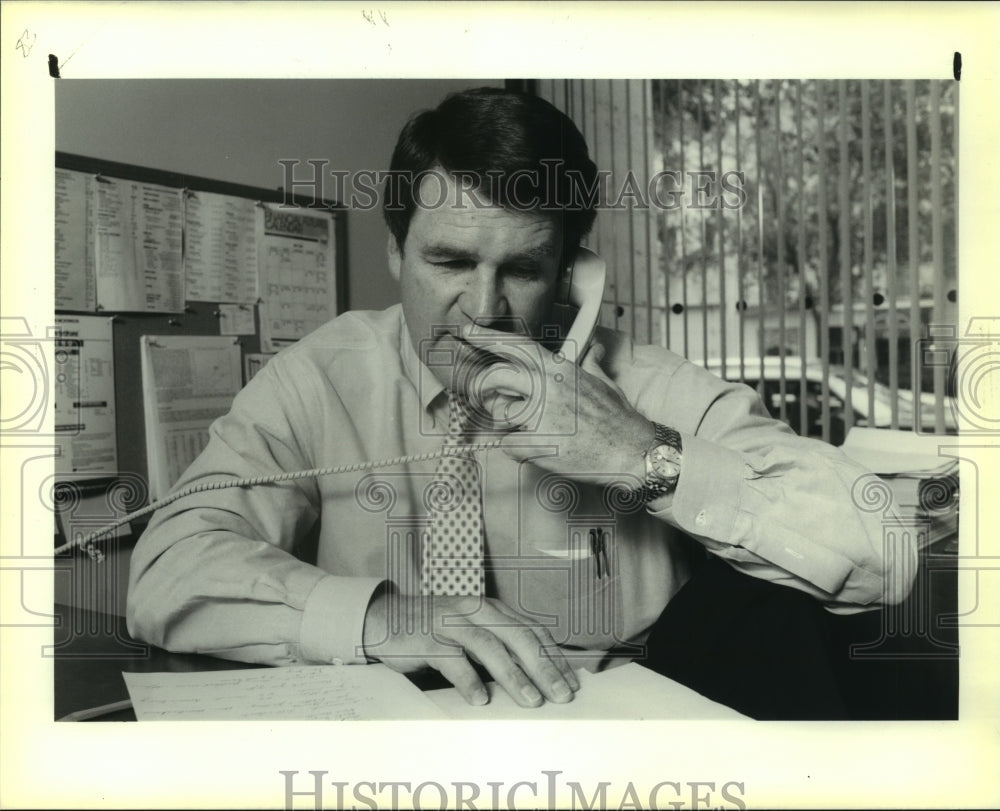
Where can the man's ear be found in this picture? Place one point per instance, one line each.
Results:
(394, 256)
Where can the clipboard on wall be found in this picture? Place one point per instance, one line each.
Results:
(188, 381)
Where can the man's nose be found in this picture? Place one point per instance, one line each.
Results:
(485, 299)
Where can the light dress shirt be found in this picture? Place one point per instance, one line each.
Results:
(283, 573)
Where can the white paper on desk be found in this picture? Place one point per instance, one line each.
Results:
(309, 693)
(896, 453)
(187, 382)
(627, 693)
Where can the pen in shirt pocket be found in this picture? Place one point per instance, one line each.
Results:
(599, 550)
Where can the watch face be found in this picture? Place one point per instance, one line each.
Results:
(665, 461)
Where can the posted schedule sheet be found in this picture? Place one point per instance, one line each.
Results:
(187, 382)
(138, 246)
(297, 275)
(84, 396)
(220, 248)
(75, 283)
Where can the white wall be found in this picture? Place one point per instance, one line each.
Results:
(238, 130)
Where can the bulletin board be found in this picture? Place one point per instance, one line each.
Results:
(286, 275)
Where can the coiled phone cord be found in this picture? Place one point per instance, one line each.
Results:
(252, 481)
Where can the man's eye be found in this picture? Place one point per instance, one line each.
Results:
(454, 264)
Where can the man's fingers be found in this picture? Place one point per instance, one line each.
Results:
(502, 408)
(547, 647)
(492, 654)
(521, 657)
(462, 674)
(511, 652)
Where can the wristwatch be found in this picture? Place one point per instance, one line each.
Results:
(663, 465)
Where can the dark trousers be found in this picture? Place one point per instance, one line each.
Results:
(760, 648)
(774, 653)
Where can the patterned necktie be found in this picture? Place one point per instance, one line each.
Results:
(453, 559)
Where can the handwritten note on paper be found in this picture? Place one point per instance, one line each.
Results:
(627, 693)
(320, 693)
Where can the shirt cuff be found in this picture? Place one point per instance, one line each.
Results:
(333, 622)
(707, 497)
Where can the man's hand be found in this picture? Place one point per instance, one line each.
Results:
(578, 408)
(444, 633)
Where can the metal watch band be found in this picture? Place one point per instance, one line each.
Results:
(654, 487)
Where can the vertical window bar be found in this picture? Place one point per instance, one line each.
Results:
(779, 241)
(639, 254)
(937, 240)
(742, 303)
(720, 224)
(704, 227)
(611, 239)
(824, 267)
(589, 131)
(646, 88)
(846, 296)
(666, 259)
(627, 166)
(913, 255)
(594, 240)
(594, 115)
(800, 147)
(890, 252)
(758, 117)
(869, 265)
(684, 289)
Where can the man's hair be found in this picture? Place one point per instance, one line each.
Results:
(516, 149)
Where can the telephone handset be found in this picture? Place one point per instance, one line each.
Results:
(573, 319)
(580, 289)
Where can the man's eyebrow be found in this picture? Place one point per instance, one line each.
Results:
(443, 249)
(535, 253)
(529, 254)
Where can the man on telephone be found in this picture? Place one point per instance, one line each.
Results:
(630, 504)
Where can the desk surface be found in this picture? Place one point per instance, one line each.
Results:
(919, 670)
(92, 649)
